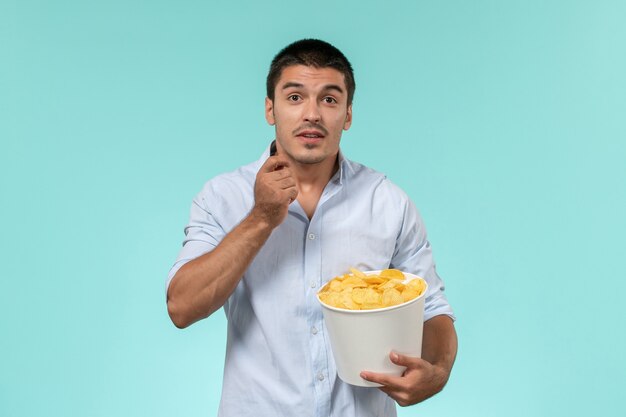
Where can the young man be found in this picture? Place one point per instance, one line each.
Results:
(261, 240)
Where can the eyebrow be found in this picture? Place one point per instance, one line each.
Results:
(292, 84)
(326, 87)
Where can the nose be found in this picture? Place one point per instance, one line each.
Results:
(312, 112)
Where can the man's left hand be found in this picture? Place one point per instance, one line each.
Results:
(420, 381)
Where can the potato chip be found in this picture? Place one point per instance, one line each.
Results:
(392, 283)
(358, 295)
(371, 306)
(358, 273)
(372, 296)
(374, 280)
(335, 285)
(409, 293)
(331, 298)
(358, 291)
(417, 284)
(392, 273)
(353, 282)
(346, 299)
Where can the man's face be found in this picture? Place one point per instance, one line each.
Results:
(310, 109)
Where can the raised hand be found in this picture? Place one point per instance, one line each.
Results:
(274, 190)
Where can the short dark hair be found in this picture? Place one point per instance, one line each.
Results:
(312, 53)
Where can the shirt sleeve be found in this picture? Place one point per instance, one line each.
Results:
(202, 234)
(414, 254)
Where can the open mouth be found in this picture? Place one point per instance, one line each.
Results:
(311, 134)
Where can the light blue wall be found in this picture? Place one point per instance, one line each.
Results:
(504, 121)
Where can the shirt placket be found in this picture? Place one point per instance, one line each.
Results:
(319, 362)
(313, 274)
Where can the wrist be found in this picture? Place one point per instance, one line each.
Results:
(259, 219)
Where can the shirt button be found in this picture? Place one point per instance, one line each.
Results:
(320, 376)
(311, 236)
(314, 330)
(313, 284)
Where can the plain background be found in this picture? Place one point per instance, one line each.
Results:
(504, 122)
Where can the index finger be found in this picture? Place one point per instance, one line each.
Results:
(274, 163)
(389, 381)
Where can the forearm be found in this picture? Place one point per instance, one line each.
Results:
(439, 344)
(204, 284)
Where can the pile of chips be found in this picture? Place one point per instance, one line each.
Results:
(358, 291)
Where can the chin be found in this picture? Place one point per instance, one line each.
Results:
(310, 159)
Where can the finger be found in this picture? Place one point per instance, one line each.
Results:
(280, 174)
(398, 396)
(274, 163)
(388, 390)
(286, 183)
(280, 163)
(290, 199)
(293, 194)
(394, 387)
(408, 361)
(390, 382)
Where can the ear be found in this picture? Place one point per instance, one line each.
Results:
(348, 122)
(269, 111)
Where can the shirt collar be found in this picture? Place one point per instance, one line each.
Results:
(345, 168)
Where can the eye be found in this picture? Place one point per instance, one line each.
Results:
(329, 100)
(294, 98)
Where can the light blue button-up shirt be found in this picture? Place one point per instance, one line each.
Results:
(278, 357)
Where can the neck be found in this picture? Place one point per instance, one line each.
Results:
(311, 177)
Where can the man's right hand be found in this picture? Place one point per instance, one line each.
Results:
(203, 285)
(274, 190)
